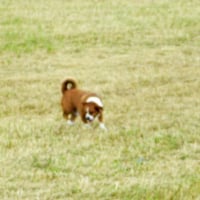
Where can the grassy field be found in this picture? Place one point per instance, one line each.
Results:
(142, 57)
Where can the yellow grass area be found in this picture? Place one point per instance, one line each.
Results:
(142, 58)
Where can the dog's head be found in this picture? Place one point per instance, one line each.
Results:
(91, 111)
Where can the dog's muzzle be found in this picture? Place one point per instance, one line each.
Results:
(89, 117)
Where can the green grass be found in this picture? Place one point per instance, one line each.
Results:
(142, 57)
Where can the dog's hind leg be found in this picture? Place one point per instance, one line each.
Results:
(69, 117)
(66, 115)
(73, 116)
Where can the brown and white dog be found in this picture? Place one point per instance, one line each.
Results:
(75, 101)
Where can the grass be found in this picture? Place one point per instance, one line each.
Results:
(142, 57)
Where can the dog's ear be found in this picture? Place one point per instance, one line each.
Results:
(99, 109)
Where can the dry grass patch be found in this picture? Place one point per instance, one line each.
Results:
(142, 58)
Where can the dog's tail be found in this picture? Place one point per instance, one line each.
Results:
(68, 84)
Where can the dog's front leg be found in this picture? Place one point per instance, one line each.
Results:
(101, 124)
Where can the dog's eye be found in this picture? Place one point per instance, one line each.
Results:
(91, 112)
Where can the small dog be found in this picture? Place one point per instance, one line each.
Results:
(74, 101)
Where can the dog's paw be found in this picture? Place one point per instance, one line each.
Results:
(70, 123)
(103, 127)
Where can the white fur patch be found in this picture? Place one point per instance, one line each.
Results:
(69, 122)
(102, 126)
(95, 100)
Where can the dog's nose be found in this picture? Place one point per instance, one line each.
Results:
(88, 117)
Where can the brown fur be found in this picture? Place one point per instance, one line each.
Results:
(73, 102)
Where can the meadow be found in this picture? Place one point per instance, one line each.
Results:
(142, 57)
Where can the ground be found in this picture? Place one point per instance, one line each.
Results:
(142, 58)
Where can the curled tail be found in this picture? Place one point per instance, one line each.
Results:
(68, 84)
